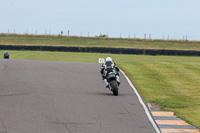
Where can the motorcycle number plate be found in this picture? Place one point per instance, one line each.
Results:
(111, 75)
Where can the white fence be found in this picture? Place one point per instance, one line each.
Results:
(108, 34)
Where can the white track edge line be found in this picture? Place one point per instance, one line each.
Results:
(142, 103)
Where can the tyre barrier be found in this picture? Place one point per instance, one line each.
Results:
(102, 50)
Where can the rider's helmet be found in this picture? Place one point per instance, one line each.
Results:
(108, 59)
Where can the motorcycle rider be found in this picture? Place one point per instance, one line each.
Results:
(6, 55)
(108, 67)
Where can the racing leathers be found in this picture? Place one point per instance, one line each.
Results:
(107, 68)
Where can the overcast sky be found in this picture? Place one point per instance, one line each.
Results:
(175, 18)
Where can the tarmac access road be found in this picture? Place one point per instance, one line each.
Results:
(65, 97)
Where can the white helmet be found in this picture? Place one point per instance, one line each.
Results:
(108, 59)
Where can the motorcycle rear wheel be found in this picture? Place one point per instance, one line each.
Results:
(114, 87)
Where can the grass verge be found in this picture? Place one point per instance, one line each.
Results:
(171, 81)
(44, 40)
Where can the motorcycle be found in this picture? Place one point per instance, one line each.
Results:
(6, 55)
(113, 85)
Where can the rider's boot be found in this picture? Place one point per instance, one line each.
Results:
(117, 78)
(107, 86)
(106, 82)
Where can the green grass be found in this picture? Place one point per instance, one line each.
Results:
(171, 81)
(7, 39)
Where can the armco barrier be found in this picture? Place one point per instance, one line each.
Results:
(102, 50)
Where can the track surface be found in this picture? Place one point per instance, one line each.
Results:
(62, 97)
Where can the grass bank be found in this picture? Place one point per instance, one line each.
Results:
(43, 40)
(171, 81)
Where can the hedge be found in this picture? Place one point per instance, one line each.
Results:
(102, 50)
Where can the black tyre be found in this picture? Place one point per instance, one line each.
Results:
(114, 87)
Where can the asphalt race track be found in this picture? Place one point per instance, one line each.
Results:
(63, 97)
